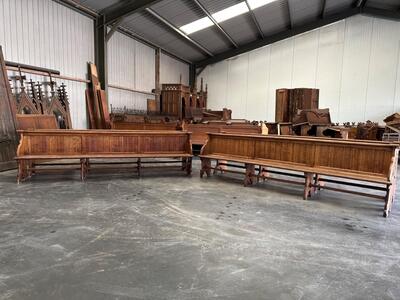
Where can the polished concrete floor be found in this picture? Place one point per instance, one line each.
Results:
(168, 236)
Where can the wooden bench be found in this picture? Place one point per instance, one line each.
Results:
(146, 126)
(199, 131)
(373, 162)
(37, 146)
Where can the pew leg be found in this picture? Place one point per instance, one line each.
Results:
(189, 166)
(318, 184)
(217, 167)
(262, 172)
(250, 174)
(308, 189)
(389, 199)
(83, 169)
(139, 167)
(205, 167)
(20, 174)
(184, 163)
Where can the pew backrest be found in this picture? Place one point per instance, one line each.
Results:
(322, 155)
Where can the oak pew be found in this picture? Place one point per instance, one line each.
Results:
(199, 131)
(38, 146)
(145, 126)
(372, 162)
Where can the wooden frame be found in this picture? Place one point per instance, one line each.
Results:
(83, 145)
(373, 162)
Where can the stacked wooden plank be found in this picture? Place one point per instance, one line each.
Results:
(96, 102)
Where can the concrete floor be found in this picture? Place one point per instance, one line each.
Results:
(173, 237)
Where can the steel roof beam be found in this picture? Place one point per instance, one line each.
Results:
(125, 8)
(322, 15)
(255, 21)
(290, 15)
(179, 32)
(279, 36)
(227, 36)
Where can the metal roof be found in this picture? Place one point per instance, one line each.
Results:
(280, 18)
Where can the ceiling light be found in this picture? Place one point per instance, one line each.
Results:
(197, 25)
(231, 12)
(258, 3)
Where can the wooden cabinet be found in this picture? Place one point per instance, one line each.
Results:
(289, 101)
(282, 106)
(302, 99)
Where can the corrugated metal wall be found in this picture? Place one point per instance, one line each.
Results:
(131, 64)
(46, 34)
(354, 63)
(171, 70)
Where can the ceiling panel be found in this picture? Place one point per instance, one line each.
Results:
(337, 6)
(212, 38)
(179, 12)
(273, 17)
(153, 30)
(305, 11)
(384, 4)
(98, 5)
(241, 29)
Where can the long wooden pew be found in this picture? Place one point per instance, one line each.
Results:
(372, 162)
(145, 126)
(38, 147)
(199, 131)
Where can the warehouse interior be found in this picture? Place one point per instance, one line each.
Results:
(199, 149)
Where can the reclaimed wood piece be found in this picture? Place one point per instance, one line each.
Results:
(146, 126)
(8, 134)
(103, 104)
(199, 131)
(90, 109)
(94, 87)
(84, 145)
(282, 106)
(365, 161)
(302, 98)
(25, 122)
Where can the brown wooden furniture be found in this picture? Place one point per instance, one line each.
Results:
(373, 162)
(84, 145)
(199, 131)
(8, 135)
(289, 101)
(25, 122)
(146, 126)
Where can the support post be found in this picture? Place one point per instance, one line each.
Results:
(157, 79)
(101, 51)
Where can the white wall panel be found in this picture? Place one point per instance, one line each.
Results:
(237, 85)
(329, 67)
(217, 79)
(130, 65)
(354, 63)
(257, 94)
(46, 34)
(171, 70)
(382, 69)
(305, 58)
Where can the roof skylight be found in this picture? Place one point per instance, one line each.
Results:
(197, 25)
(223, 15)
